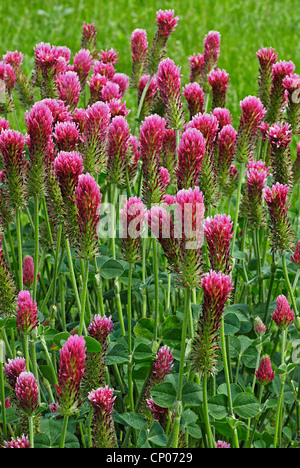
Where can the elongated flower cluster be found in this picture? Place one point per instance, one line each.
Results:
(265, 373)
(216, 289)
(103, 430)
(276, 198)
(118, 141)
(99, 329)
(291, 84)
(225, 152)
(13, 368)
(27, 393)
(18, 442)
(89, 38)
(218, 234)
(195, 98)
(253, 113)
(66, 135)
(259, 327)
(280, 70)
(169, 84)
(266, 57)
(191, 151)
(7, 287)
(196, 64)
(280, 137)
(23, 85)
(27, 313)
(12, 151)
(82, 64)
(139, 47)
(28, 271)
(133, 216)
(71, 371)
(218, 80)
(88, 201)
(252, 203)
(69, 88)
(283, 315)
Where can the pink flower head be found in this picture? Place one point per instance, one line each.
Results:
(96, 84)
(226, 146)
(66, 135)
(157, 412)
(267, 56)
(162, 228)
(7, 75)
(104, 69)
(222, 445)
(259, 327)
(208, 125)
(195, 98)
(196, 63)
(257, 173)
(100, 328)
(218, 233)
(18, 443)
(139, 47)
(68, 166)
(69, 88)
(27, 393)
(82, 65)
(283, 315)
(13, 368)
(151, 92)
(27, 313)
(295, 257)
(169, 200)
(223, 116)
(291, 83)
(14, 59)
(28, 271)
(117, 107)
(166, 22)
(4, 124)
(253, 112)
(163, 364)
(216, 291)
(168, 80)
(118, 141)
(189, 214)
(191, 152)
(109, 56)
(71, 370)
(89, 33)
(110, 91)
(102, 400)
(280, 135)
(281, 69)
(165, 176)
(88, 201)
(60, 111)
(252, 205)
(212, 48)
(276, 198)
(79, 117)
(97, 123)
(265, 373)
(278, 93)
(218, 80)
(122, 81)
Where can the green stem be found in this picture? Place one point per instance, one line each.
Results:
(210, 439)
(19, 240)
(156, 285)
(64, 431)
(141, 102)
(238, 201)
(2, 392)
(84, 296)
(281, 395)
(73, 278)
(31, 431)
(36, 245)
(129, 318)
(288, 284)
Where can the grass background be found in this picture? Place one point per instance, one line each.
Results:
(245, 26)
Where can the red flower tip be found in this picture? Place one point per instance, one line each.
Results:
(69, 88)
(163, 363)
(18, 443)
(27, 313)
(66, 135)
(223, 116)
(27, 393)
(283, 315)
(13, 368)
(166, 22)
(265, 373)
(102, 400)
(280, 135)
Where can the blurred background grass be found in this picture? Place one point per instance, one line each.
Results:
(245, 26)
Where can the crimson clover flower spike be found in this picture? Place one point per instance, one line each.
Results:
(104, 69)
(281, 233)
(277, 101)
(66, 135)
(139, 48)
(223, 116)
(133, 216)
(222, 445)
(7, 74)
(110, 91)
(191, 151)
(39, 122)
(27, 313)
(103, 430)
(23, 85)
(151, 141)
(266, 57)
(19, 443)
(295, 257)
(70, 374)
(166, 24)
(28, 271)
(27, 393)
(259, 327)
(218, 80)
(68, 85)
(280, 137)
(122, 80)
(4, 124)
(13, 368)
(253, 113)
(59, 110)
(218, 234)
(195, 98)
(68, 166)
(89, 38)
(118, 142)
(7, 287)
(292, 85)
(109, 56)
(163, 364)
(225, 153)
(169, 85)
(217, 288)
(95, 135)
(157, 412)
(12, 145)
(196, 65)
(265, 373)
(283, 315)
(211, 54)
(99, 329)
(82, 64)
(88, 201)
(118, 107)
(96, 84)
(252, 202)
